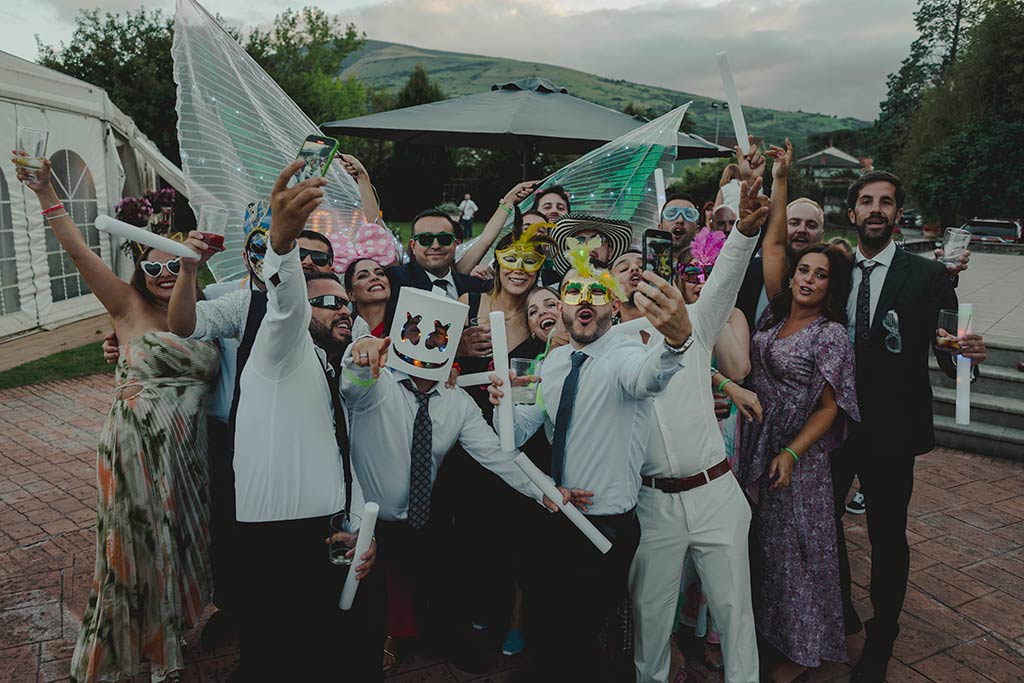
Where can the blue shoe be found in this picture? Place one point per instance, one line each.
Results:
(514, 642)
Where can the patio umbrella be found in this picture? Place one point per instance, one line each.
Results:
(530, 114)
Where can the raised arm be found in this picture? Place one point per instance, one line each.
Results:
(773, 249)
(732, 350)
(718, 298)
(367, 196)
(116, 295)
(181, 310)
(472, 257)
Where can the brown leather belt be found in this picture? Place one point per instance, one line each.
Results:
(676, 485)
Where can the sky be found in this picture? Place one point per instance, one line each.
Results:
(828, 56)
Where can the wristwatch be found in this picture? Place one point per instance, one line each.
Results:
(681, 349)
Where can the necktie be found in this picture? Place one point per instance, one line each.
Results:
(863, 328)
(564, 417)
(421, 460)
(442, 285)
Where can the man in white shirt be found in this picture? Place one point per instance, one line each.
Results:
(599, 388)
(689, 500)
(467, 209)
(391, 412)
(292, 474)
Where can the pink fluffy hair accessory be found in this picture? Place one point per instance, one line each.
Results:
(370, 241)
(706, 246)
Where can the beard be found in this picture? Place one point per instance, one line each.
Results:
(602, 323)
(873, 241)
(323, 336)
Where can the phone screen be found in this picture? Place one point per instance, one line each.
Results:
(317, 152)
(658, 253)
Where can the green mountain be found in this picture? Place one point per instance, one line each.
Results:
(386, 66)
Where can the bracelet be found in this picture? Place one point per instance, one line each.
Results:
(55, 207)
(59, 215)
(789, 450)
(505, 206)
(722, 385)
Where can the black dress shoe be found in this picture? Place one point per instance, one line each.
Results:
(218, 630)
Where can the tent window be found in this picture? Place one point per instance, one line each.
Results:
(74, 185)
(10, 298)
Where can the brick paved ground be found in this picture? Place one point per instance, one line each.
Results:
(964, 616)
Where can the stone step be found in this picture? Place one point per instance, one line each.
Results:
(1003, 355)
(977, 437)
(985, 409)
(995, 380)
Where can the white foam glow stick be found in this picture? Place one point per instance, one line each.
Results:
(963, 368)
(659, 188)
(548, 488)
(136, 234)
(499, 346)
(348, 591)
(733, 98)
(473, 379)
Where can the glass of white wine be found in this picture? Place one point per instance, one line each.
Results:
(32, 141)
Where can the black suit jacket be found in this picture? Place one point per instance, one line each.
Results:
(412, 275)
(893, 389)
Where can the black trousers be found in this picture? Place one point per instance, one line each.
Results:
(223, 551)
(291, 626)
(573, 589)
(887, 484)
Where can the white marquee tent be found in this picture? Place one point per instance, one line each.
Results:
(98, 156)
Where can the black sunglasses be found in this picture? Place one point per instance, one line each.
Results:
(334, 303)
(154, 268)
(426, 239)
(320, 258)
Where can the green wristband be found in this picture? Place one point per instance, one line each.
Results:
(722, 385)
(789, 450)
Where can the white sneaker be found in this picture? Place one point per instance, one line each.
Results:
(856, 505)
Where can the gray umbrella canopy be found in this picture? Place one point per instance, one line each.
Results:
(530, 113)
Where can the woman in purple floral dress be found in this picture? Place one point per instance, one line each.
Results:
(802, 370)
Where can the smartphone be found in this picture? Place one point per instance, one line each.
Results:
(657, 252)
(317, 152)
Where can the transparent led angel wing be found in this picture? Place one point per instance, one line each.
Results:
(617, 179)
(237, 129)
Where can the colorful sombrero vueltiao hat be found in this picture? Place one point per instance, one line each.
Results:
(616, 234)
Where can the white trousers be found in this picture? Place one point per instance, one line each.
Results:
(712, 522)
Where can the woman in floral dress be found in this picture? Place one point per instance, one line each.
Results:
(802, 370)
(151, 581)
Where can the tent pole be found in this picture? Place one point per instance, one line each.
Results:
(526, 162)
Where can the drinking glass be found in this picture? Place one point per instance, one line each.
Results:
(347, 523)
(954, 244)
(948, 322)
(213, 222)
(32, 141)
(525, 367)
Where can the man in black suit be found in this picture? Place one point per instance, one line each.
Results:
(893, 315)
(431, 255)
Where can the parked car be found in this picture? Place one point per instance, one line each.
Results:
(992, 230)
(911, 220)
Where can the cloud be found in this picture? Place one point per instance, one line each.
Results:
(814, 55)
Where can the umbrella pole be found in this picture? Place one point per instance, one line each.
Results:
(526, 162)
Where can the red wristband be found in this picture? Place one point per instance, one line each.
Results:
(55, 207)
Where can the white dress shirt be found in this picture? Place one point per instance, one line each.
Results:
(218, 404)
(287, 464)
(884, 260)
(382, 414)
(684, 437)
(610, 426)
(449, 290)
